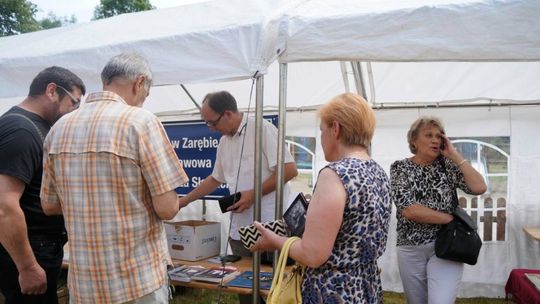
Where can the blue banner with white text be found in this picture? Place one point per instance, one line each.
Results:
(196, 146)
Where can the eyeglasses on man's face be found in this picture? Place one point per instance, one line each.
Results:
(76, 101)
(213, 123)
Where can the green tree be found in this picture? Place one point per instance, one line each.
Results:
(52, 21)
(109, 8)
(17, 16)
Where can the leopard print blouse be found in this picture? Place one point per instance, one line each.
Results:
(351, 275)
(431, 186)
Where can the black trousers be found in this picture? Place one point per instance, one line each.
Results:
(49, 253)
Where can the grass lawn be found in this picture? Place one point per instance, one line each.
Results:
(201, 296)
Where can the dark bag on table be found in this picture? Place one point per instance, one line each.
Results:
(458, 240)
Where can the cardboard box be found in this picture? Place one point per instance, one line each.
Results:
(193, 240)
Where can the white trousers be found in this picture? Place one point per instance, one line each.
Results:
(426, 278)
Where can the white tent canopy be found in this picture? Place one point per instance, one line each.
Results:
(394, 30)
(202, 42)
(433, 30)
(423, 51)
(415, 50)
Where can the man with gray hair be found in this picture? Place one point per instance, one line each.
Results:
(111, 170)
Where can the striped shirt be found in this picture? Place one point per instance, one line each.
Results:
(103, 163)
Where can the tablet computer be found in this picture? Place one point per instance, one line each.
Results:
(295, 216)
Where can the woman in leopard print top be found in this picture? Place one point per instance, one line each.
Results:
(422, 188)
(348, 216)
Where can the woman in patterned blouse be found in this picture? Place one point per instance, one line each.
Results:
(348, 215)
(422, 188)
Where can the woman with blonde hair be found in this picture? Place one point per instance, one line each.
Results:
(348, 215)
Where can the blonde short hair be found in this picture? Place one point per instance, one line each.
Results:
(420, 123)
(354, 115)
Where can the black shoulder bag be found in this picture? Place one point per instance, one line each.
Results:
(458, 240)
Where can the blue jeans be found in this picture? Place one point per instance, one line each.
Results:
(49, 253)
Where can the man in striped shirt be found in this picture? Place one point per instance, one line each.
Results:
(111, 170)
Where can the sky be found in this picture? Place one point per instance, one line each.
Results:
(84, 9)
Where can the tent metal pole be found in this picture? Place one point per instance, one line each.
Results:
(258, 179)
(372, 92)
(281, 145)
(345, 75)
(358, 79)
(190, 97)
(359, 82)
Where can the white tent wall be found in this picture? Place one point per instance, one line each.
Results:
(7, 103)
(305, 89)
(524, 181)
(451, 82)
(313, 83)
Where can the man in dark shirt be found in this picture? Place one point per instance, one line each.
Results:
(31, 243)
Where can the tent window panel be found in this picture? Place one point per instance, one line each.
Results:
(490, 156)
(303, 151)
(497, 164)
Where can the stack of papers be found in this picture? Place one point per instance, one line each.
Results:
(215, 275)
(184, 273)
(188, 273)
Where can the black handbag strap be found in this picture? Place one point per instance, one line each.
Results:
(459, 212)
(454, 191)
(465, 218)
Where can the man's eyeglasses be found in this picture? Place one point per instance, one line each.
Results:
(75, 101)
(213, 123)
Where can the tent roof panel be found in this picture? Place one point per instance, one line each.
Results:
(210, 41)
(398, 30)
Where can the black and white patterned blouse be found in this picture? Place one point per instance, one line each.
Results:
(351, 274)
(426, 185)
